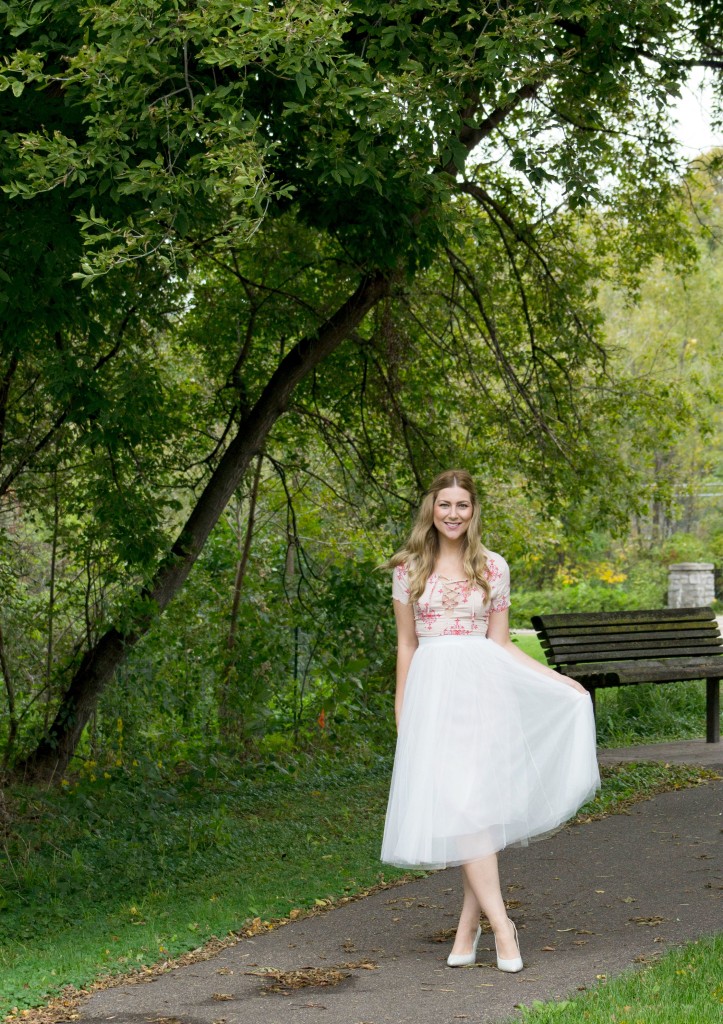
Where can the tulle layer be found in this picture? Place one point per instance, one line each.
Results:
(490, 753)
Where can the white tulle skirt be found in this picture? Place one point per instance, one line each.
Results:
(490, 753)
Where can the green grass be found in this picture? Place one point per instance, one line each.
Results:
(128, 870)
(685, 987)
(648, 713)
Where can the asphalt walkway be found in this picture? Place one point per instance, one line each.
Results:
(591, 901)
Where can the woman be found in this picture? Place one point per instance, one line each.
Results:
(493, 748)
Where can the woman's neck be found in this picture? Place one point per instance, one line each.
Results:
(450, 553)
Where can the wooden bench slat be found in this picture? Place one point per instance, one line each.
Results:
(623, 640)
(577, 651)
(644, 652)
(610, 618)
(624, 628)
(651, 671)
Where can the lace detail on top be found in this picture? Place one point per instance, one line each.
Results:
(456, 607)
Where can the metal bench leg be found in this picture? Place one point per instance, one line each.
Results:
(712, 710)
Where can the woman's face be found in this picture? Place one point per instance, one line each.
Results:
(452, 512)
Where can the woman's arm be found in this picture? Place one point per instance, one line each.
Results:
(499, 631)
(406, 646)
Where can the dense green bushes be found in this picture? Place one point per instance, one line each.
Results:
(588, 596)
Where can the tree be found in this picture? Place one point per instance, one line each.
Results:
(353, 140)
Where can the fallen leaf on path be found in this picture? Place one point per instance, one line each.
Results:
(309, 977)
(222, 997)
(653, 922)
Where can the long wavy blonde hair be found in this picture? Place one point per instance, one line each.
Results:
(420, 551)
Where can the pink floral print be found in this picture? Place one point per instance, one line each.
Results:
(456, 607)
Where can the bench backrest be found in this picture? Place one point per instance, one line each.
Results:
(576, 638)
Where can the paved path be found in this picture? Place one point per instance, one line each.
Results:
(684, 752)
(591, 900)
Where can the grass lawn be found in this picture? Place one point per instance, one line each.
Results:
(128, 869)
(684, 987)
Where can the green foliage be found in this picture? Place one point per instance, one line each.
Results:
(191, 191)
(651, 713)
(644, 585)
(683, 987)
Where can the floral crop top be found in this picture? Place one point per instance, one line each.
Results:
(456, 607)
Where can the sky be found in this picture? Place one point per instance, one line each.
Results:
(694, 114)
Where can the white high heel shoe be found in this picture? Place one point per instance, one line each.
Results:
(514, 965)
(465, 959)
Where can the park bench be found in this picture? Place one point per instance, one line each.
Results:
(602, 649)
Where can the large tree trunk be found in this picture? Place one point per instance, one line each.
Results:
(53, 753)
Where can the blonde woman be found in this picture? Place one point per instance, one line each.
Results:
(493, 748)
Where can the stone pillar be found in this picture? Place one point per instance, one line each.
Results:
(690, 585)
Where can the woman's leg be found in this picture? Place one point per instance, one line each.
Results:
(468, 920)
(482, 892)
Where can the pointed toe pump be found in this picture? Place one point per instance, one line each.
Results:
(510, 966)
(465, 959)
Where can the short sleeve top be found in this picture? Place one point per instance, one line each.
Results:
(456, 607)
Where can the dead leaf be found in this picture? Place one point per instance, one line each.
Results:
(361, 965)
(549, 949)
(652, 922)
(222, 997)
(304, 977)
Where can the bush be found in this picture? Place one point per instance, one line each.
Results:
(643, 587)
